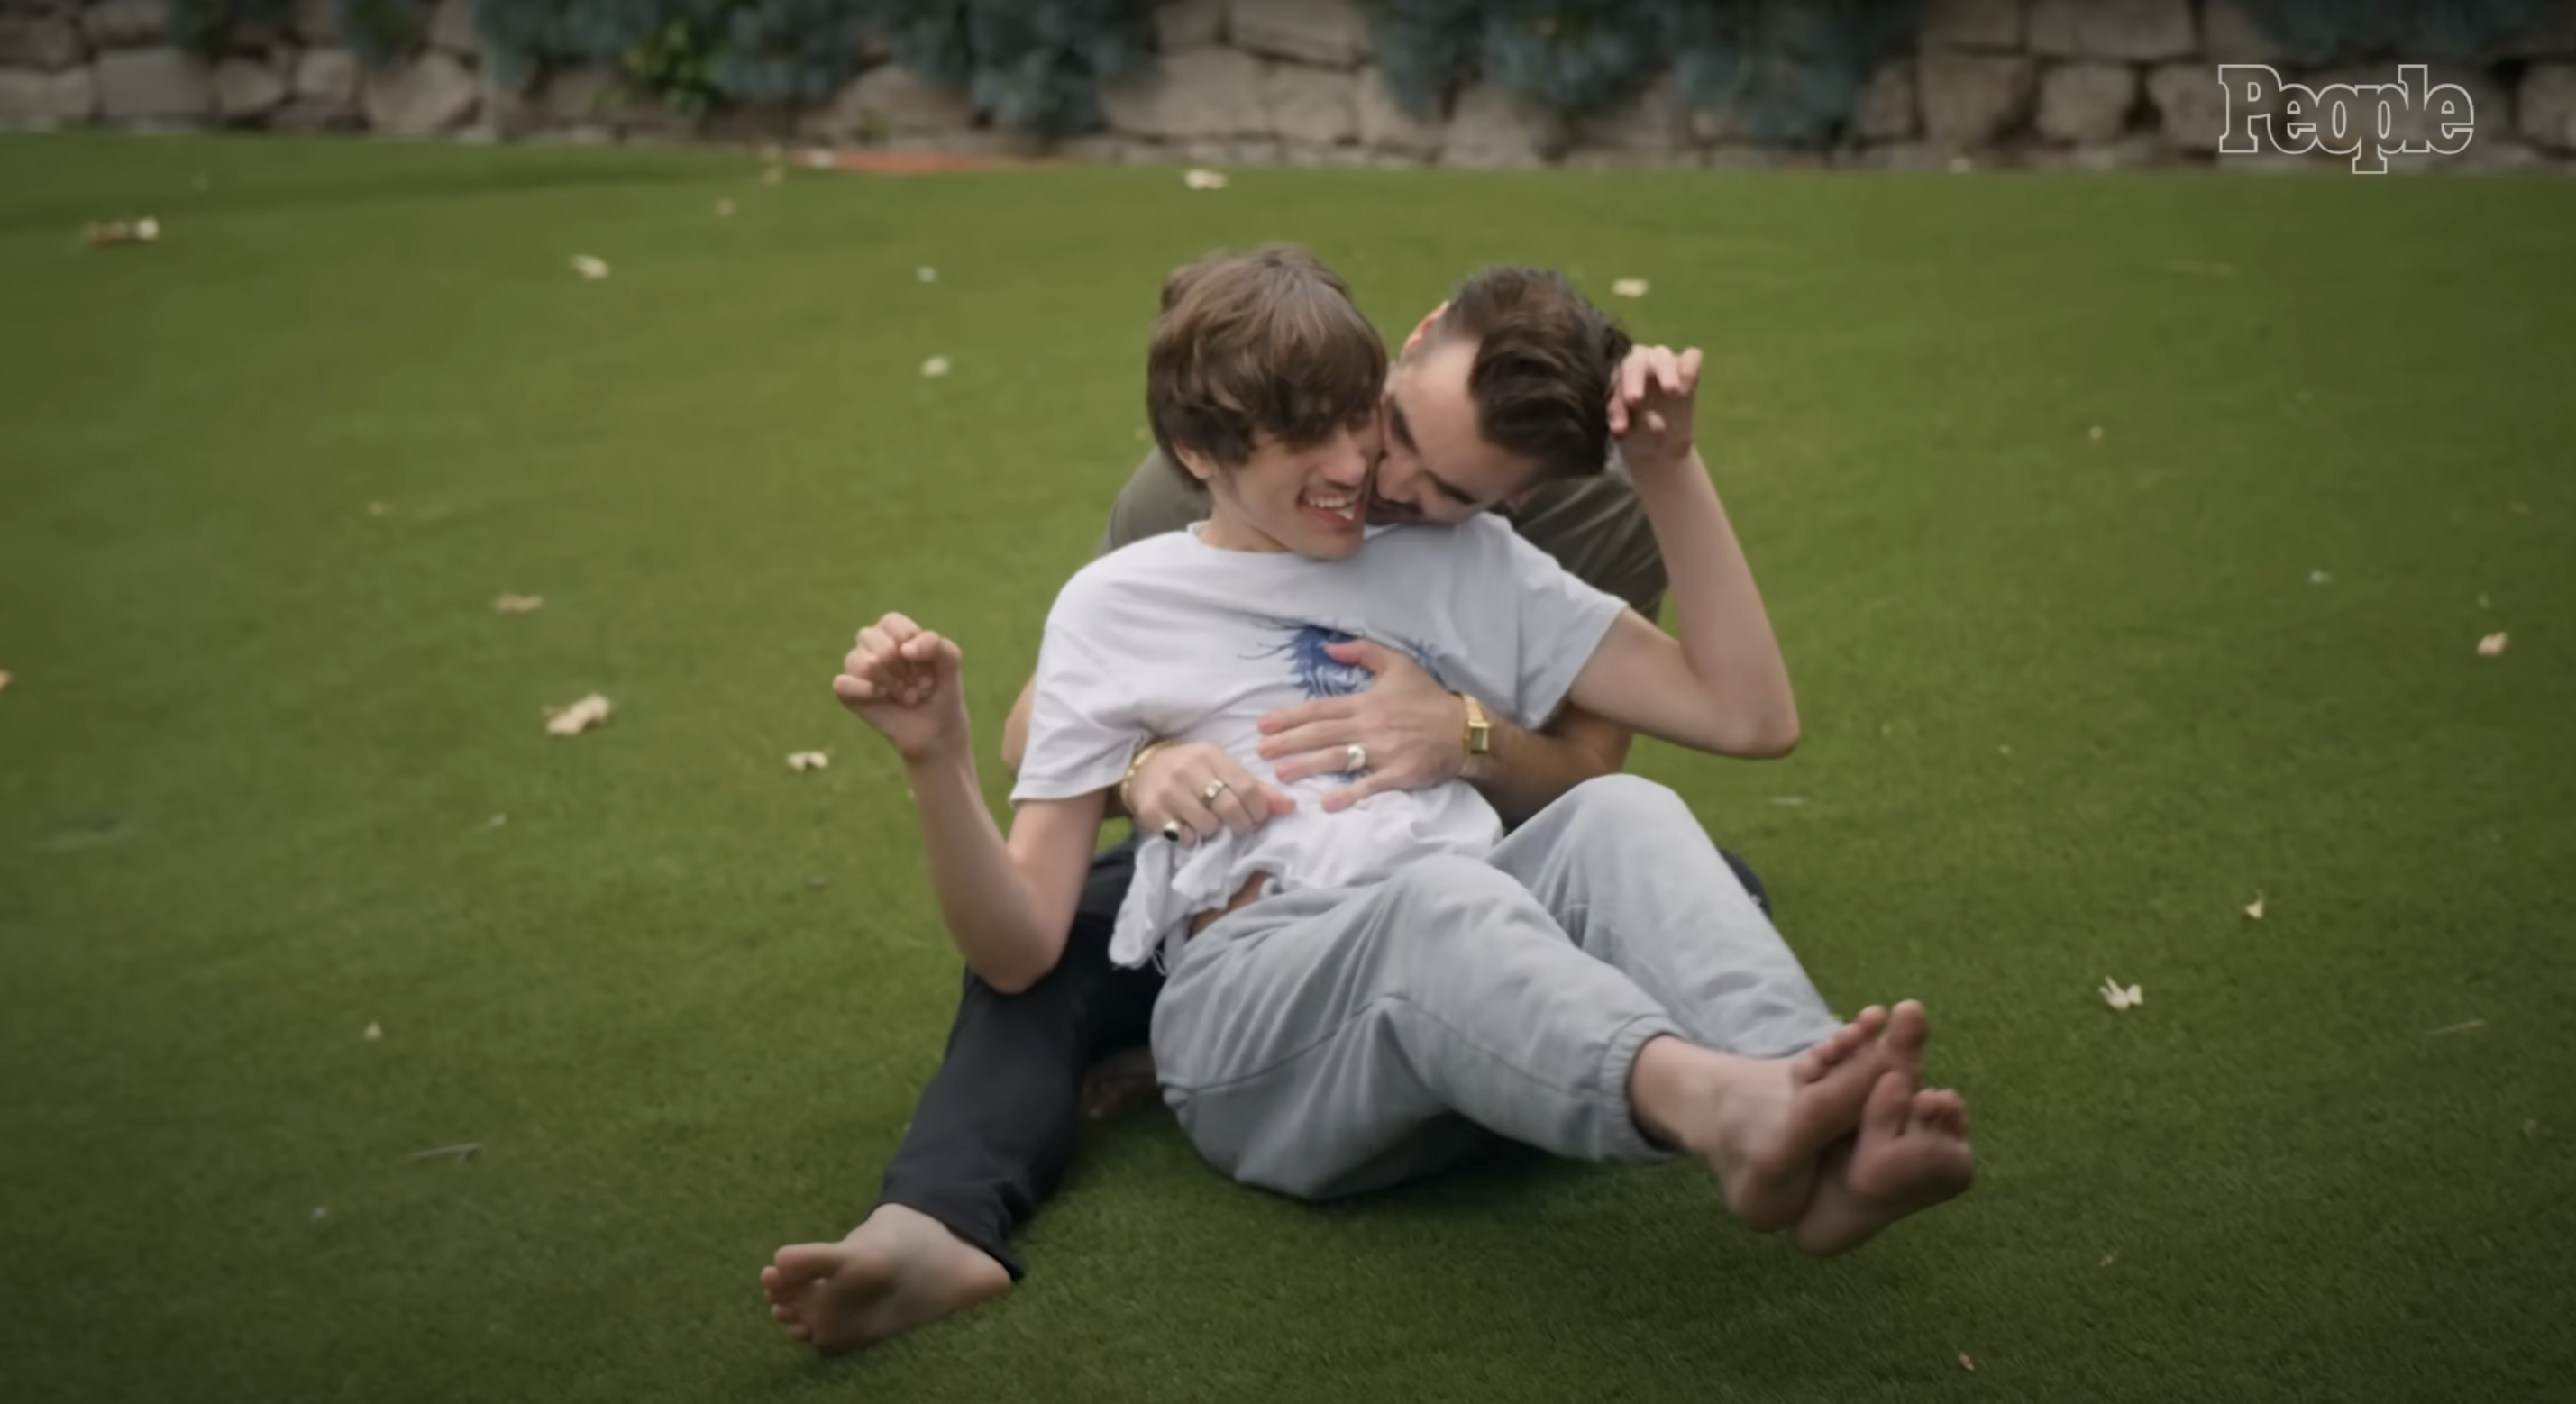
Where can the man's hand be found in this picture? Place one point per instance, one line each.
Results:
(1413, 729)
(903, 680)
(1654, 408)
(1203, 788)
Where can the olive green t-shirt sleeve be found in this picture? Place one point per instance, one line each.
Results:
(1598, 531)
(1159, 497)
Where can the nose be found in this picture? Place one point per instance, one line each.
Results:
(1349, 463)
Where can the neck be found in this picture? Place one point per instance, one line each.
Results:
(1227, 533)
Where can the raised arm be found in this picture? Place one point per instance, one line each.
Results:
(1007, 902)
(1722, 686)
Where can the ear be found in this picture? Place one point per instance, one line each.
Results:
(1422, 329)
(1200, 465)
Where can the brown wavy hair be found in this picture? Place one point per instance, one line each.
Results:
(1266, 343)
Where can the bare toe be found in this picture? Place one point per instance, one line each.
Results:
(1908, 1029)
(1840, 1046)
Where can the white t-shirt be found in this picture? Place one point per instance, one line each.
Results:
(1171, 637)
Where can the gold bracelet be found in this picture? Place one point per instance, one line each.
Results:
(1126, 796)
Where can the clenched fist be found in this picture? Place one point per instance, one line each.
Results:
(903, 680)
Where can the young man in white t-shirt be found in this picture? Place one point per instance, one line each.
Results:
(1357, 996)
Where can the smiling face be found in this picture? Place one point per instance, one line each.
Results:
(1308, 499)
(1438, 466)
(1263, 383)
(1501, 390)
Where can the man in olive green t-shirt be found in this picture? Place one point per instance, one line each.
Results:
(1503, 399)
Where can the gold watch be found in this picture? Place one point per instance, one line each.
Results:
(1480, 732)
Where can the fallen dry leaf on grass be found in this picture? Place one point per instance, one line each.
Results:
(2110, 1258)
(926, 274)
(2493, 645)
(118, 231)
(518, 604)
(2119, 998)
(1203, 179)
(2319, 577)
(589, 267)
(935, 367)
(4, 681)
(577, 718)
(374, 1032)
(2254, 908)
(1630, 287)
(808, 760)
(1966, 1364)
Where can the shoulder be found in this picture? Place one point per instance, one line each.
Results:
(1596, 529)
(1127, 566)
(1580, 511)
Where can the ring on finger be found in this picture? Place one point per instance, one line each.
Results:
(1354, 758)
(1214, 789)
(1172, 831)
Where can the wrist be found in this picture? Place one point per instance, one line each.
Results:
(1127, 783)
(939, 757)
(1475, 737)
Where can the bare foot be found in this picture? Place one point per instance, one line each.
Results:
(900, 1269)
(1760, 1124)
(1912, 1153)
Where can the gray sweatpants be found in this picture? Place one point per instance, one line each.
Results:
(1325, 1043)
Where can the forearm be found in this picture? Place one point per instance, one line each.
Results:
(991, 914)
(1526, 771)
(1724, 631)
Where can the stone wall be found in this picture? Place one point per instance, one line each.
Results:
(2073, 83)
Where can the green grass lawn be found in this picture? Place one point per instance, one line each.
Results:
(2071, 702)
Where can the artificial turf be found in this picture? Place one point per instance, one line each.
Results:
(2070, 700)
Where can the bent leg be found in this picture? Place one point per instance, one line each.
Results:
(1624, 868)
(1325, 1043)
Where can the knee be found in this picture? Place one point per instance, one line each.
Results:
(1627, 798)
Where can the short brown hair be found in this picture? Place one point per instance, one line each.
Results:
(1266, 342)
(1546, 360)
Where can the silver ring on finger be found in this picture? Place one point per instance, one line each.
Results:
(1214, 789)
(1355, 758)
